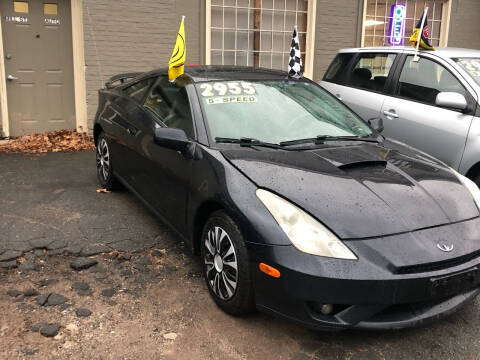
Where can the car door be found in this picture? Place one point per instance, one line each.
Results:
(162, 175)
(410, 114)
(362, 83)
(125, 112)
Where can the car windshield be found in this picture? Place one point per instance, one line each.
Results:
(472, 66)
(276, 111)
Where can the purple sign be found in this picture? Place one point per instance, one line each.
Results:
(397, 24)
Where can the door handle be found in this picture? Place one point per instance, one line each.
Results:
(339, 97)
(11, 77)
(391, 114)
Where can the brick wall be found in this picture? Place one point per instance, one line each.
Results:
(127, 36)
(465, 24)
(338, 25)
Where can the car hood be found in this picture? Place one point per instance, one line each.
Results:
(361, 191)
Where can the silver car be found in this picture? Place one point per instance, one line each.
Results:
(431, 104)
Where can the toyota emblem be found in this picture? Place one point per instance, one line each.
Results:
(445, 247)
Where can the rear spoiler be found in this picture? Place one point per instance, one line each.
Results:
(121, 78)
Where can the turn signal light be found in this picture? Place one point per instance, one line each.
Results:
(269, 270)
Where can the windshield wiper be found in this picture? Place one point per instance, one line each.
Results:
(247, 142)
(320, 139)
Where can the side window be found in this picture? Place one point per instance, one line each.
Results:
(423, 80)
(371, 71)
(138, 90)
(338, 68)
(170, 103)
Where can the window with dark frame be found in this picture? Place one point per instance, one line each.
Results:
(256, 32)
(170, 103)
(371, 70)
(378, 19)
(138, 90)
(422, 81)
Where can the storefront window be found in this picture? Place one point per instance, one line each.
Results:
(256, 32)
(391, 22)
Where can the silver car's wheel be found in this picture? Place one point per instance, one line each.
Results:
(221, 263)
(103, 159)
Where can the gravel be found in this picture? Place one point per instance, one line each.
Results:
(46, 282)
(80, 286)
(82, 312)
(56, 299)
(108, 292)
(31, 292)
(50, 330)
(38, 326)
(83, 263)
(51, 299)
(14, 293)
(27, 266)
(42, 299)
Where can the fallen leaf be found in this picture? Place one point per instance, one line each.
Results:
(103, 191)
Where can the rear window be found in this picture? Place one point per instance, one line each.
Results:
(138, 90)
(337, 70)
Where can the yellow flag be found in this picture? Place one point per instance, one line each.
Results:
(177, 60)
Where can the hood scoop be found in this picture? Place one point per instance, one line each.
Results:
(354, 156)
(362, 164)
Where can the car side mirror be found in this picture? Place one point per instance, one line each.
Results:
(174, 139)
(451, 100)
(376, 124)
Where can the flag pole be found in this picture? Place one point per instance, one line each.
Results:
(420, 33)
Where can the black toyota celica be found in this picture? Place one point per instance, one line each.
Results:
(297, 206)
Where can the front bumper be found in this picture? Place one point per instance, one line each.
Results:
(364, 294)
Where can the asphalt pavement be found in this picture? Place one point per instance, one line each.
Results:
(49, 202)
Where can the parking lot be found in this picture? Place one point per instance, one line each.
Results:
(145, 292)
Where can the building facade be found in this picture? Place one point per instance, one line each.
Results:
(58, 53)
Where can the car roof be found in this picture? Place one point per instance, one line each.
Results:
(201, 73)
(446, 52)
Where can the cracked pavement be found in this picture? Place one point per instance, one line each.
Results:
(50, 203)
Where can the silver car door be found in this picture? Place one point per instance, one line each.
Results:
(364, 84)
(411, 115)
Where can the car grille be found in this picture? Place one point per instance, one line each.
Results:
(439, 265)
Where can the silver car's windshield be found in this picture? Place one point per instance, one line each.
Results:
(472, 66)
(275, 111)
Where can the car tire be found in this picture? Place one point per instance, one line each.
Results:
(231, 289)
(104, 164)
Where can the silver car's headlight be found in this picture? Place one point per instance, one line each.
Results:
(305, 233)
(470, 185)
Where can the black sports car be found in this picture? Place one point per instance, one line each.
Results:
(297, 206)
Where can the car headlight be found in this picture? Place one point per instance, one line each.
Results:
(305, 233)
(470, 185)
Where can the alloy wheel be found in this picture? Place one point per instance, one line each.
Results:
(103, 159)
(221, 263)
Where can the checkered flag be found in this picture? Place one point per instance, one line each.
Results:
(295, 67)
